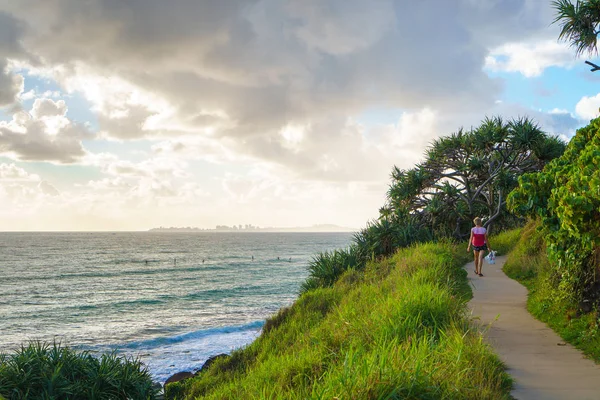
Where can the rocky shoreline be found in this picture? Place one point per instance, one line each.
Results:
(183, 375)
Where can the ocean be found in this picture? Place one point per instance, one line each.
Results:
(170, 299)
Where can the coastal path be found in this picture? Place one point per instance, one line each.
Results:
(541, 363)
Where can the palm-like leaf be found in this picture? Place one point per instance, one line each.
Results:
(579, 23)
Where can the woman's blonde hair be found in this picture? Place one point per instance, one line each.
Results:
(477, 221)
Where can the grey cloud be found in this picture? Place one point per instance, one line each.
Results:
(10, 34)
(10, 86)
(351, 159)
(48, 189)
(126, 127)
(29, 141)
(48, 108)
(267, 63)
(11, 30)
(318, 51)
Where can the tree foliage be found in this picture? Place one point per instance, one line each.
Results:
(579, 23)
(468, 174)
(464, 175)
(566, 196)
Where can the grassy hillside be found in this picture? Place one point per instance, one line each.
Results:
(528, 263)
(397, 329)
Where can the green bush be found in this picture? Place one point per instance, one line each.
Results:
(529, 264)
(566, 198)
(325, 268)
(51, 371)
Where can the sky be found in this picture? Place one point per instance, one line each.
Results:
(134, 114)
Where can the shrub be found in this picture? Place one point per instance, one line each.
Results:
(566, 198)
(325, 268)
(529, 264)
(51, 371)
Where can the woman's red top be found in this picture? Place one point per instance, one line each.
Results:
(478, 235)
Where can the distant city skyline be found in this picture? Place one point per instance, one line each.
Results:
(132, 115)
(252, 228)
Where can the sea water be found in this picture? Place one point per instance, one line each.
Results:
(170, 299)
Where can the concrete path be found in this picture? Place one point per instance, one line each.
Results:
(542, 365)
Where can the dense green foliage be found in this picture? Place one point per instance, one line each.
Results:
(464, 175)
(44, 371)
(566, 197)
(467, 175)
(529, 264)
(397, 329)
(579, 23)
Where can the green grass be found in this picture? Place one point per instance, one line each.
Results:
(51, 371)
(506, 241)
(398, 329)
(528, 263)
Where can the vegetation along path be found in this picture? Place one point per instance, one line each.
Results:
(542, 365)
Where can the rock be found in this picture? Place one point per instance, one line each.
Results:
(585, 306)
(158, 389)
(179, 377)
(210, 361)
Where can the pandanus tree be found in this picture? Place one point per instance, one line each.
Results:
(468, 174)
(579, 23)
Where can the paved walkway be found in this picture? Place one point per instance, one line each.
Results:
(542, 365)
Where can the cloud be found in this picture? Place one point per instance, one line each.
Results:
(48, 108)
(48, 189)
(44, 134)
(12, 173)
(250, 68)
(21, 192)
(588, 107)
(240, 71)
(11, 85)
(253, 106)
(530, 59)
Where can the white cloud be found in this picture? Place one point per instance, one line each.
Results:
(530, 59)
(23, 194)
(12, 173)
(588, 107)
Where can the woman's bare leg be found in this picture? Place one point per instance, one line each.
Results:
(481, 260)
(476, 257)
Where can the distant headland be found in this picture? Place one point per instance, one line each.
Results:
(252, 228)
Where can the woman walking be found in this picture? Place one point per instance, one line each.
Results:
(479, 240)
